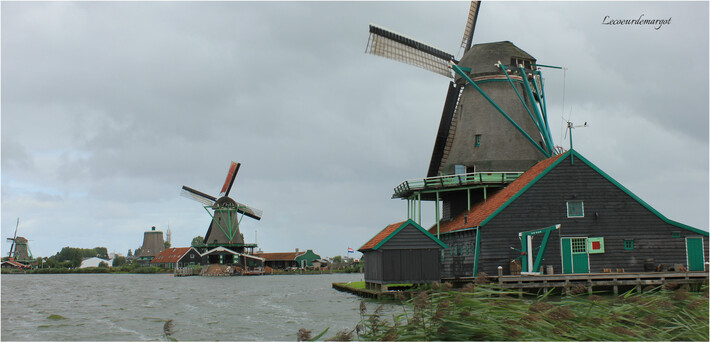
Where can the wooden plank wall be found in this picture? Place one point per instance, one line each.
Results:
(609, 213)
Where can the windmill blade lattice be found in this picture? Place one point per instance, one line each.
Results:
(197, 196)
(389, 44)
(470, 25)
(249, 211)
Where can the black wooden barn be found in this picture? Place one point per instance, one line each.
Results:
(567, 215)
(403, 252)
(226, 256)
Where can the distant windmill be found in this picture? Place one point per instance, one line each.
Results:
(494, 116)
(153, 244)
(19, 249)
(224, 227)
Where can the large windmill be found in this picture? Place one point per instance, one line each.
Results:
(224, 227)
(494, 116)
(19, 249)
(494, 122)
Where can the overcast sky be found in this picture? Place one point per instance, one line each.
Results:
(109, 108)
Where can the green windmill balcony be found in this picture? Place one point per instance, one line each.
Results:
(453, 182)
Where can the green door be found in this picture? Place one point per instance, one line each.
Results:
(696, 257)
(575, 258)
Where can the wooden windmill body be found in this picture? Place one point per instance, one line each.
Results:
(493, 125)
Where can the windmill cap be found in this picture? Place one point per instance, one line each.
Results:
(481, 58)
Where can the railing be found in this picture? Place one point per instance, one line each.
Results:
(448, 181)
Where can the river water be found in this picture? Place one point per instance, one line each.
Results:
(135, 306)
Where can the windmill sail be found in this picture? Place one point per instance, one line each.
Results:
(470, 25)
(231, 175)
(197, 196)
(388, 44)
(445, 128)
(249, 211)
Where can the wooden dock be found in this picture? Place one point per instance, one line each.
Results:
(590, 282)
(563, 283)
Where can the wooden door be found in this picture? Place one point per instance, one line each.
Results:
(575, 257)
(694, 254)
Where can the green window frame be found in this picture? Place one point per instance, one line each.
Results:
(628, 244)
(675, 234)
(478, 140)
(575, 209)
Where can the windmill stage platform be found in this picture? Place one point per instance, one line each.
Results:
(427, 187)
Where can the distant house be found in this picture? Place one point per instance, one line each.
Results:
(306, 259)
(281, 261)
(177, 257)
(402, 252)
(14, 264)
(93, 262)
(320, 263)
(567, 214)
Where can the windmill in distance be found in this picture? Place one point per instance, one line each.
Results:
(19, 249)
(223, 230)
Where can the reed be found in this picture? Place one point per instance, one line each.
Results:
(484, 312)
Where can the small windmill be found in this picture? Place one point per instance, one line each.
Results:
(19, 249)
(494, 116)
(224, 227)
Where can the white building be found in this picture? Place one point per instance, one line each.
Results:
(93, 262)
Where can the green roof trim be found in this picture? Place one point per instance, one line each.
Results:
(574, 153)
(415, 225)
(642, 202)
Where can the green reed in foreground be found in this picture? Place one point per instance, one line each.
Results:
(488, 313)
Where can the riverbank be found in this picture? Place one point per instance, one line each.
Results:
(488, 312)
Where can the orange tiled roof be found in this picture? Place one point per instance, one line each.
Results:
(170, 255)
(380, 236)
(279, 256)
(483, 210)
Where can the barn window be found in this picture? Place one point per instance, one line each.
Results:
(628, 244)
(675, 234)
(575, 209)
(478, 140)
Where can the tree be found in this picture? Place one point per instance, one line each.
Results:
(197, 241)
(166, 244)
(103, 264)
(337, 259)
(137, 252)
(119, 261)
(129, 254)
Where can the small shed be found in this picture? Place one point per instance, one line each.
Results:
(403, 252)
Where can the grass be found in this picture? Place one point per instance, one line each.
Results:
(486, 312)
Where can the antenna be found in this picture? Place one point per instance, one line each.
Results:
(570, 127)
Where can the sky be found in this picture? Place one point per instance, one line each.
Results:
(109, 108)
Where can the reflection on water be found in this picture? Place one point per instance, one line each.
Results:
(135, 306)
